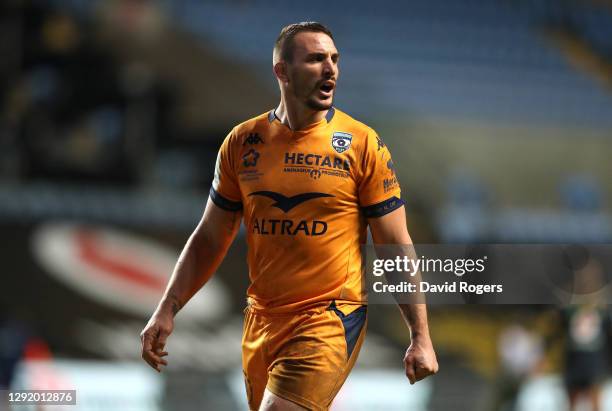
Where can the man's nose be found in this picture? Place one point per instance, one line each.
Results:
(329, 68)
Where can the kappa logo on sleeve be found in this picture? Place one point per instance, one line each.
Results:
(341, 141)
(381, 144)
(252, 139)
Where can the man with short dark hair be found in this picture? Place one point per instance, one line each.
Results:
(308, 180)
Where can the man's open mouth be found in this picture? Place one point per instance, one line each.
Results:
(326, 87)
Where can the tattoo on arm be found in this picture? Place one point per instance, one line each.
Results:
(416, 317)
(175, 304)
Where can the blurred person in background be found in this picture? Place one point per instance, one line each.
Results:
(308, 180)
(585, 325)
(587, 330)
(520, 352)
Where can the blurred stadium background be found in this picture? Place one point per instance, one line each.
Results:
(498, 113)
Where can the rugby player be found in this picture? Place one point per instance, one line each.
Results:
(307, 179)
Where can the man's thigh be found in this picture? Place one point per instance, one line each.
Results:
(255, 361)
(272, 402)
(310, 356)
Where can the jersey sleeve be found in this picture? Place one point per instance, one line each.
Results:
(379, 189)
(225, 191)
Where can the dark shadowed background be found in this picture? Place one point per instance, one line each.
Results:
(498, 114)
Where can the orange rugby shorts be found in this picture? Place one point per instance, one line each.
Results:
(303, 357)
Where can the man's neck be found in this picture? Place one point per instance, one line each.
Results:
(296, 117)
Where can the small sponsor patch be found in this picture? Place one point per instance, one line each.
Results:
(341, 141)
(250, 158)
(390, 184)
(391, 167)
(250, 175)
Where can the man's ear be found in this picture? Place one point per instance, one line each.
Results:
(280, 70)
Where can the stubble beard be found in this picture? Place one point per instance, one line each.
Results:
(314, 103)
(317, 105)
(311, 100)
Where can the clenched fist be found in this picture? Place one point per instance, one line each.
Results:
(420, 359)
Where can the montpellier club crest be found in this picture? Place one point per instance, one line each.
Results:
(341, 141)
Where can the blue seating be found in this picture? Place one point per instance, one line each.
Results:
(475, 59)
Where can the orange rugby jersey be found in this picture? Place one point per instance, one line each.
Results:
(305, 196)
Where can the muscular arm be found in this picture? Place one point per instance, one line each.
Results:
(202, 254)
(420, 359)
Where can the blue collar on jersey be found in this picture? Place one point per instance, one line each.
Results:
(328, 116)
